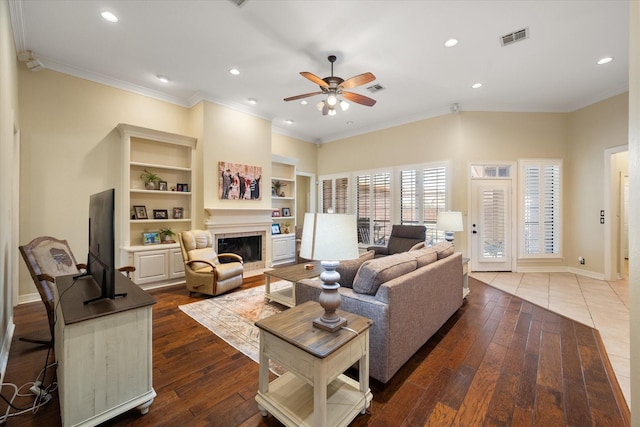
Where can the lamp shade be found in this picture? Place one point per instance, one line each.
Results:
(450, 221)
(331, 237)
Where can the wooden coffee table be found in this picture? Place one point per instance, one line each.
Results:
(314, 391)
(291, 273)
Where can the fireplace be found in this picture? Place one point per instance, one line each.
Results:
(248, 247)
(249, 228)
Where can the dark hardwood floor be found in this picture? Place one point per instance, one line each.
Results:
(499, 361)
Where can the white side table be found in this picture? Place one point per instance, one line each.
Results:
(314, 391)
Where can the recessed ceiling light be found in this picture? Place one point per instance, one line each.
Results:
(163, 79)
(605, 60)
(109, 16)
(451, 43)
(289, 122)
(476, 85)
(234, 71)
(252, 101)
(350, 122)
(304, 102)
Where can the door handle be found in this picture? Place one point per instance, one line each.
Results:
(474, 229)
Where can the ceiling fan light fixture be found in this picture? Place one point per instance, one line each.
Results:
(320, 105)
(332, 111)
(332, 100)
(344, 105)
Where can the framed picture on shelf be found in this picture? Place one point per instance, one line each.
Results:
(183, 187)
(178, 213)
(275, 213)
(286, 212)
(275, 228)
(162, 185)
(151, 238)
(160, 214)
(140, 212)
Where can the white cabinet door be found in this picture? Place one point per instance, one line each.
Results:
(176, 265)
(151, 266)
(283, 249)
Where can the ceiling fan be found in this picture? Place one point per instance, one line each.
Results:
(334, 86)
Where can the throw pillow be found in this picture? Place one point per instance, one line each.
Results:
(443, 249)
(348, 269)
(377, 271)
(425, 256)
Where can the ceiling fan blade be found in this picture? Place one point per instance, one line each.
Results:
(358, 80)
(306, 95)
(359, 99)
(317, 80)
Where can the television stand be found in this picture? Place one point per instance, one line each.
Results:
(104, 351)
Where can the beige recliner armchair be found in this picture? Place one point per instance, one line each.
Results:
(204, 273)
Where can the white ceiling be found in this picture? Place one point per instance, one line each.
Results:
(195, 43)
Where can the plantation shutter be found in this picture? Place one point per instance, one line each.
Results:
(541, 205)
(341, 204)
(381, 207)
(435, 199)
(493, 223)
(363, 209)
(327, 195)
(409, 213)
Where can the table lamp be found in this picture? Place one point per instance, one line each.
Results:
(329, 238)
(449, 222)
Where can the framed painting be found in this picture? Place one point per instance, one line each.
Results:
(239, 182)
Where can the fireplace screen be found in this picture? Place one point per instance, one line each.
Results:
(248, 247)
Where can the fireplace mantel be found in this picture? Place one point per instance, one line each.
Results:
(242, 222)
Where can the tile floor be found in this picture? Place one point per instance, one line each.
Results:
(597, 303)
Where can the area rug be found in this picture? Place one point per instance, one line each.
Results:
(232, 317)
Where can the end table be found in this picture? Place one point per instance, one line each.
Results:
(314, 391)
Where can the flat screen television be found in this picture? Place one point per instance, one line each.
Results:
(101, 257)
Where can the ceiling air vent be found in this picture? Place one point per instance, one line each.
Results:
(516, 36)
(375, 88)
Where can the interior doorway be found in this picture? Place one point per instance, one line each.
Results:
(616, 233)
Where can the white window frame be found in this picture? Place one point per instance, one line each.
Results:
(345, 202)
(557, 208)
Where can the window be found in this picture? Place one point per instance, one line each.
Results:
(424, 193)
(541, 208)
(335, 194)
(373, 207)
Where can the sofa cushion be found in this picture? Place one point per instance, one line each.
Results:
(443, 249)
(377, 271)
(424, 256)
(348, 269)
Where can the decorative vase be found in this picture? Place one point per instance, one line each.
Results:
(150, 185)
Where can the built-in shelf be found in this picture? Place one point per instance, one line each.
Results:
(170, 156)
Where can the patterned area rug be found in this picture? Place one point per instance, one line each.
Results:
(232, 317)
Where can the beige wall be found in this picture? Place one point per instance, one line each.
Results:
(305, 152)
(232, 136)
(71, 149)
(591, 130)
(9, 181)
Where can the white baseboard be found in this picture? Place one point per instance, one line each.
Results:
(6, 346)
(25, 299)
(587, 273)
(561, 269)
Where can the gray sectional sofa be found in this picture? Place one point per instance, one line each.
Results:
(409, 296)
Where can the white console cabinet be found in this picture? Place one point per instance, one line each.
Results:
(283, 249)
(156, 264)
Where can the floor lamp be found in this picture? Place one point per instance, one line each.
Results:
(329, 238)
(449, 222)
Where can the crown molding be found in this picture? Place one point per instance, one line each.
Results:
(17, 22)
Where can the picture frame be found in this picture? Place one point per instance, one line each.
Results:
(182, 187)
(178, 213)
(286, 212)
(162, 185)
(275, 229)
(140, 212)
(237, 181)
(275, 213)
(160, 214)
(151, 238)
